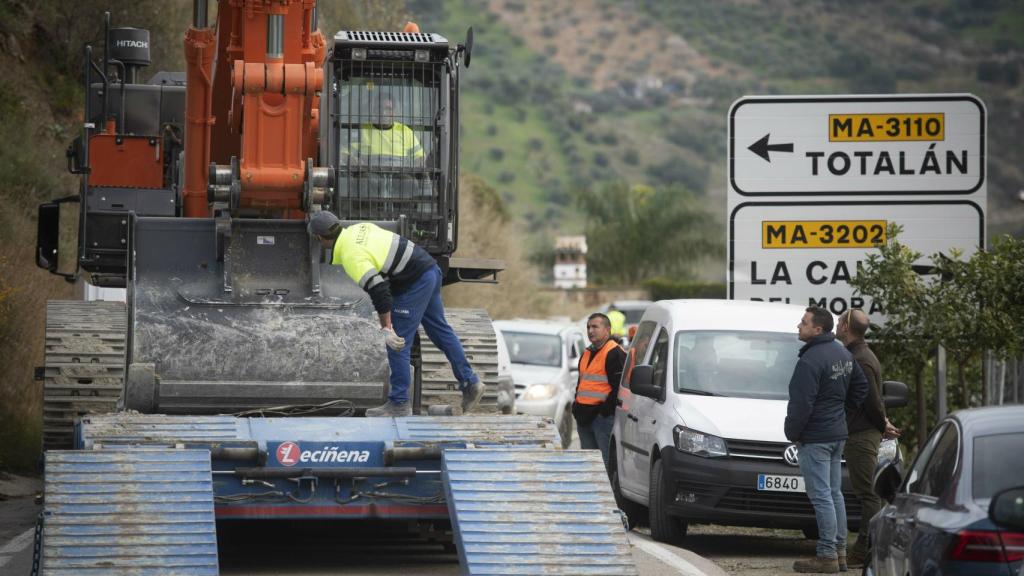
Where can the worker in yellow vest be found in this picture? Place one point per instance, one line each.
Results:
(618, 320)
(385, 139)
(598, 387)
(404, 284)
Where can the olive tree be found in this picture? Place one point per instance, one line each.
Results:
(908, 337)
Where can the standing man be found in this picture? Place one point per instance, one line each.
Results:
(598, 387)
(618, 321)
(404, 284)
(826, 385)
(866, 426)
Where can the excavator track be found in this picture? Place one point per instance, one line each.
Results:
(84, 367)
(476, 331)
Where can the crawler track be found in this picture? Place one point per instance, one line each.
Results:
(84, 367)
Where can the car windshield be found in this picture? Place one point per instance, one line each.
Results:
(995, 468)
(736, 364)
(533, 349)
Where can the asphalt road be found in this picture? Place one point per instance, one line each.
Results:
(750, 551)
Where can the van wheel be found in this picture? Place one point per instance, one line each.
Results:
(664, 528)
(565, 427)
(636, 514)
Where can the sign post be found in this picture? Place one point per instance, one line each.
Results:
(814, 181)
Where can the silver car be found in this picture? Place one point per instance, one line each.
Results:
(544, 356)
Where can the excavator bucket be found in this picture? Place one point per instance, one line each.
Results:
(235, 315)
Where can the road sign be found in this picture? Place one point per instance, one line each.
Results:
(814, 182)
(805, 253)
(874, 145)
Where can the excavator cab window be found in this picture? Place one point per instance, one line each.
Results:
(386, 143)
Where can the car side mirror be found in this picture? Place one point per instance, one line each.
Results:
(48, 236)
(641, 382)
(894, 394)
(887, 481)
(1006, 509)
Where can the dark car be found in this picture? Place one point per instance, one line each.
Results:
(937, 522)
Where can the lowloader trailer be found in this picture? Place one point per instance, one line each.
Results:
(143, 494)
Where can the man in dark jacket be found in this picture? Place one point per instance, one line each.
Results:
(598, 387)
(866, 426)
(826, 385)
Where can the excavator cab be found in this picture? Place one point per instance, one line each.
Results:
(394, 134)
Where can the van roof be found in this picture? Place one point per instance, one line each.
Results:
(742, 315)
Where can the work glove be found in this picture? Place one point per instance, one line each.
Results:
(393, 341)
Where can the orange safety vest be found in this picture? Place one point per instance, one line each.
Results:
(594, 388)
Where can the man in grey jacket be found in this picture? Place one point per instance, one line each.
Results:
(826, 386)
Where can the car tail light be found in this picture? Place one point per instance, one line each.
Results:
(1013, 545)
(985, 546)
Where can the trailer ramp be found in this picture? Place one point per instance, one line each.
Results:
(534, 511)
(121, 512)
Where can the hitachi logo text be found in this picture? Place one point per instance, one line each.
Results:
(332, 454)
(131, 44)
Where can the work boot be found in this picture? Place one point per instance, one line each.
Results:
(389, 408)
(857, 557)
(817, 565)
(471, 396)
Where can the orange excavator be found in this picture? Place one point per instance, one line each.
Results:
(194, 191)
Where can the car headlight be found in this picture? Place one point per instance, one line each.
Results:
(539, 392)
(698, 443)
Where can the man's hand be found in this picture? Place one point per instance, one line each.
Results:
(393, 341)
(890, 431)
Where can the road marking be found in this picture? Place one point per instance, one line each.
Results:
(19, 543)
(654, 549)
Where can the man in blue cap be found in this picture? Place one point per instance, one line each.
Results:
(404, 284)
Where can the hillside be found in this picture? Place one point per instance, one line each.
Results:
(585, 91)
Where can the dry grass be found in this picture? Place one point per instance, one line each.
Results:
(486, 231)
(32, 170)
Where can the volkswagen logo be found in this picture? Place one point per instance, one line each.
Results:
(789, 455)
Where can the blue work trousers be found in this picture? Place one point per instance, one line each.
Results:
(822, 468)
(421, 303)
(596, 435)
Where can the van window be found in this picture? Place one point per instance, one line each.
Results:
(638, 349)
(735, 363)
(659, 359)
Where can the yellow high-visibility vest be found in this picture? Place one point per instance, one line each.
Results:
(398, 141)
(367, 251)
(618, 322)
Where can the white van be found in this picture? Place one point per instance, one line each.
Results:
(698, 435)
